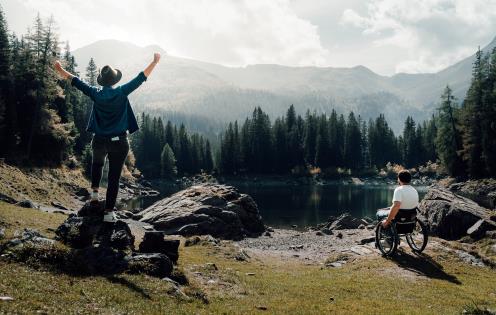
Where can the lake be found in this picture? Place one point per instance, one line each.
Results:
(282, 205)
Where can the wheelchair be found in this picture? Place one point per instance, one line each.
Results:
(405, 224)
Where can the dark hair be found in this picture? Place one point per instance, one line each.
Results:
(404, 176)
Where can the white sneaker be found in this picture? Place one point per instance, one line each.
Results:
(94, 196)
(109, 217)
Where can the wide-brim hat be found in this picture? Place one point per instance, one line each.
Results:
(108, 76)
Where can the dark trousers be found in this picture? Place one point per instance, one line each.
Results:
(117, 152)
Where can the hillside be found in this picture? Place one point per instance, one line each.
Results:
(227, 93)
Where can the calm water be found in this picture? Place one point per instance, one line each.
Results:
(284, 206)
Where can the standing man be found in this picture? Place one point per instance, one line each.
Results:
(110, 120)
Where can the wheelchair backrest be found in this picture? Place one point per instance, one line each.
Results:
(405, 220)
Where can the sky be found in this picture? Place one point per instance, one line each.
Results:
(387, 36)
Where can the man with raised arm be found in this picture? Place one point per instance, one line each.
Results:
(110, 121)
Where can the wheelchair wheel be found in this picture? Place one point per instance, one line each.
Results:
(386, 240)
(417, 240)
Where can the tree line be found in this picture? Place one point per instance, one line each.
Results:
(166, 151)
(294, 144)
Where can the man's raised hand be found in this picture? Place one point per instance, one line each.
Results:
(156, 57)
(64, 74)
(58, 65)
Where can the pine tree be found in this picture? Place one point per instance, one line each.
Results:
(448, 135)
(488, 116)
(207, 158)
(323, 148)
(5, 83)
(471, 127)
(352, 140)
(167, 162)
(310, 142)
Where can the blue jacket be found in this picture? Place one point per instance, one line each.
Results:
(111, 114)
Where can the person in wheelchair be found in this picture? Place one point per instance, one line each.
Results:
(405, 197)
(401, 219)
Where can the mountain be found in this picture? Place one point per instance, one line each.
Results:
(221, 93)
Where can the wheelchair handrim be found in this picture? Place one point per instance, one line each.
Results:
(418, 239)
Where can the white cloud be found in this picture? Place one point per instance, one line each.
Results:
(433, 33)
(222, 31)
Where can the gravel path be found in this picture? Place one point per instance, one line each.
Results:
(309, 246)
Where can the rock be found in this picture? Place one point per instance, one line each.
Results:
(366, 240)
(448, 215)
(87, 230)
(154, 264)
(154, 242)
(7, 199)
(267, 233)
(58, 205)
(2, 233)
(491, 234)
(327, 231)
(218, 210)
(339, 235)
(241, 255)
(26, 203)
(82, 192)
(192, 241)
(28, 236)
(100, 260)
(346, 221)
(481, 191)
(6, 298)
(294, 226)
(479, 229)
(319, 233)
(356, 181)
(361, 226)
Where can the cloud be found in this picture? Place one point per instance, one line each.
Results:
(222, 31)
(433, 33)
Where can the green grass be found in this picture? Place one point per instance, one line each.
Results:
(365, 286)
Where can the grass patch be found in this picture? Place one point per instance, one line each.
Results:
(435, 284)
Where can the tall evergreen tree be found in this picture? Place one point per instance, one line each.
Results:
(448, 135)
(471, 126)
(323, 151)
(5, 83)
(352, 140)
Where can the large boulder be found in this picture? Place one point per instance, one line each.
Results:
(449, 215)
(218, 210)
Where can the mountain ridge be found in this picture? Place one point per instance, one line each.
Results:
(183, 85)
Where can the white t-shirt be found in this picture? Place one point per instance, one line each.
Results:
(407, 195)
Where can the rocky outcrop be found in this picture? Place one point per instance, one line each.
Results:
(482, 191)
(95, 247)
(450, 216)
(87, 229)
(218, 210)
